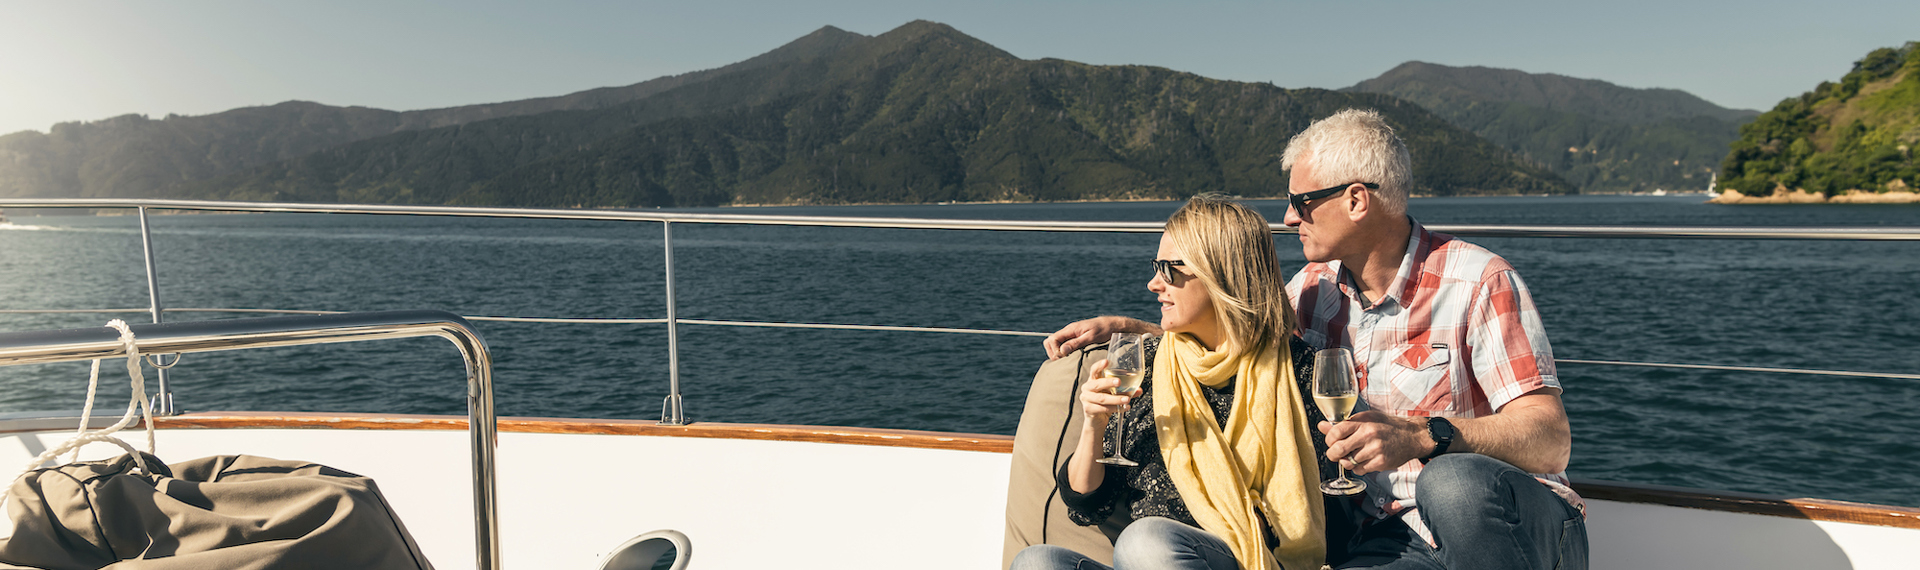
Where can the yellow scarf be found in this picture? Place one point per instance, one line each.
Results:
(1262, 458)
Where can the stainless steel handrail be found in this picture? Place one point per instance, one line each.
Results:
(1626, 232)
(163, 401)
(205, 336)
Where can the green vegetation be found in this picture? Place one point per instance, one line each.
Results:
(1858, 134)
(133, 156)
(922, 113)
(1599, 136)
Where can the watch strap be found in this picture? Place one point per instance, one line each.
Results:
(1442, 433)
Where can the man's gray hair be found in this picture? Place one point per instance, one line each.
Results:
(1355, 145)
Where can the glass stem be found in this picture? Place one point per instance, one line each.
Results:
(1120, 432)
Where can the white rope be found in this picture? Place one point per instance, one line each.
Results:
(137, 403)
(86, 413)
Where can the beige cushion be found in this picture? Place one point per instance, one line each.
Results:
(1049, 430)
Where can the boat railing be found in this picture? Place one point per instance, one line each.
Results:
(73, 345)
(673, 410)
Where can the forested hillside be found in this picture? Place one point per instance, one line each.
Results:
(1599, 136)
(134, 156)
(1858, 134)
(922, 113)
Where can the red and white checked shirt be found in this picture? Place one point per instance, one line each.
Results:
(1455, 336)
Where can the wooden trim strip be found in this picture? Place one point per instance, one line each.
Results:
(1798, 508)
(1751, 503)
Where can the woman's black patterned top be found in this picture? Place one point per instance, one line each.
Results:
(1147, 490)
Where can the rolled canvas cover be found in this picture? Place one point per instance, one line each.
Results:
(227, 512)
(1049, 430)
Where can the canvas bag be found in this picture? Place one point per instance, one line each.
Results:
(225, 512)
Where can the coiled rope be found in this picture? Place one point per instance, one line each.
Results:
(137, 403)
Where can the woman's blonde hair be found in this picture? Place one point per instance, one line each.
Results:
(1229, 247)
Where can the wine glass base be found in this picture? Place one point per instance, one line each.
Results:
(1121, 461)
(1343, 487)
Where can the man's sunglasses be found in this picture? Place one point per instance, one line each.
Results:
(1300, 200)
(1164, 267)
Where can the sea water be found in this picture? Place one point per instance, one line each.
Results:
(1839, 305)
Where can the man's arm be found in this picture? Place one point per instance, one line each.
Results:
(1530, 432)
(1082, 333)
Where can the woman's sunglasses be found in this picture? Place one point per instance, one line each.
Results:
(1164, 267)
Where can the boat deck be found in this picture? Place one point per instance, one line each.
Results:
(759, 496)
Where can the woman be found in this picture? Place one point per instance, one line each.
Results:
(1228, 476)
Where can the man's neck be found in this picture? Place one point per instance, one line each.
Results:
(1375, 266)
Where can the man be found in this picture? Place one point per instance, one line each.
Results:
(1463, 439)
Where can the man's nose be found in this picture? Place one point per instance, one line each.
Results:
(1293, 217)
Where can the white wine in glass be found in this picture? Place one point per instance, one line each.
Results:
(1125, 361)
(1336, 393)
(1336, 408)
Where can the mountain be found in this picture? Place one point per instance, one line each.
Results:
(133, 156)
(1858, 134)
(921, 113)
(1600, 136)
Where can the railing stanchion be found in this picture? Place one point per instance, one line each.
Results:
(163, 400)
(673, 411)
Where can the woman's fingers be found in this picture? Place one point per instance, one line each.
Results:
(1096, 395)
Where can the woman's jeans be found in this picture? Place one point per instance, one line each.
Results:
(1149, 543)
(1485, 515)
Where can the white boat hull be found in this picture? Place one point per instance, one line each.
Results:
(753, 497)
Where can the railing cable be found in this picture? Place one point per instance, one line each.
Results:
(892, 328)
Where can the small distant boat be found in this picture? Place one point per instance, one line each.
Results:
(1713, 188)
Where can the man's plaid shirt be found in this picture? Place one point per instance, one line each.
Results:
(1456, 335)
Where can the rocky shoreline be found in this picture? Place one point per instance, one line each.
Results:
(1782, 196)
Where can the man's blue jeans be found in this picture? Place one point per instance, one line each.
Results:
(1485, 514)
(1149, 543)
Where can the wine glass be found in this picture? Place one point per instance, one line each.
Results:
(1334, 391)
(1125, 361)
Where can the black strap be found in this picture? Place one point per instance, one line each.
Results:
(1046, 511)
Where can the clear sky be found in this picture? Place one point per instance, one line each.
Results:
(84, 60)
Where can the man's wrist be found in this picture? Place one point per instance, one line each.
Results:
(1440, 436)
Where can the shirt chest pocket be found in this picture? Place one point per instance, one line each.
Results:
(1420, 377)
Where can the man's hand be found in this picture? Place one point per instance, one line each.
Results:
(1372, 441)
(1530, 432)
(1082, 333)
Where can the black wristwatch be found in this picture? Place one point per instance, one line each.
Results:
(1442, 432)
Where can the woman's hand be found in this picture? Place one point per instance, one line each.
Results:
(1098, 403)
(1097, 400)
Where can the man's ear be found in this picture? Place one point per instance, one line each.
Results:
(1359, 202)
